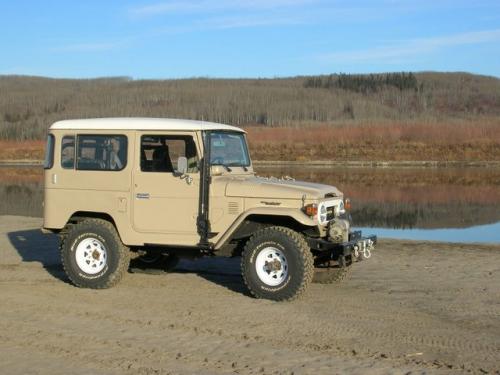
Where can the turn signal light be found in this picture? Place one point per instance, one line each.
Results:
(311, 209)
(347, 204)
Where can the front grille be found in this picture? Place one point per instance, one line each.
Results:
(330, 213)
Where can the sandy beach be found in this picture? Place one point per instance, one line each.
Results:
(413, 308)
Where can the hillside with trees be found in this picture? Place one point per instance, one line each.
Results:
(405, 109)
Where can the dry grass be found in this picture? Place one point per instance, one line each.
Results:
(16, 175)
(464, 140)
(28, 105)
(429, 133)
(26, 150)
(461, 140)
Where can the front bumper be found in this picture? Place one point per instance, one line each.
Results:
(357, 246)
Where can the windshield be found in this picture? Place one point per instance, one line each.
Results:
(229, 149)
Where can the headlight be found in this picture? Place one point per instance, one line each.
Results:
(341, 207)
(324, 211)
(322, 214)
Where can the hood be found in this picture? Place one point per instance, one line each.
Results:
(260, 187)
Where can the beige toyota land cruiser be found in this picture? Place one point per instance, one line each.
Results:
(161, 189)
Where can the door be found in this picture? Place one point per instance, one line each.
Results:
(164, 202)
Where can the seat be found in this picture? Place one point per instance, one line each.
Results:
(161, 160)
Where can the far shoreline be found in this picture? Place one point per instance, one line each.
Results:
(325, 163)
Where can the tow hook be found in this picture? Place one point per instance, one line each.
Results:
(363, 249)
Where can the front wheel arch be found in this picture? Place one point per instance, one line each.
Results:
(255, 222)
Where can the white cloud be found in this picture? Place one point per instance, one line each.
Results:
(87, 47)
(231, 22)
(203, 6)
(411, 48)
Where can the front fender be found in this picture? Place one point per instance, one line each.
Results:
(293, 213)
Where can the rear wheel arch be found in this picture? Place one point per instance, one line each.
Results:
(80, 216)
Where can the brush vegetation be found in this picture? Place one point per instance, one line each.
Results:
(394, 116)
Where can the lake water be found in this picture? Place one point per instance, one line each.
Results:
(439, 204)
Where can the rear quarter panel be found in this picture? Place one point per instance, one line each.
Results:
(68, 191)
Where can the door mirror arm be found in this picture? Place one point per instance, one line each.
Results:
(182, 166)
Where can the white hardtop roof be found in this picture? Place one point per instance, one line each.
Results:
(136, 123)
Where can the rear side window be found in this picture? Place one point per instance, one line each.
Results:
(49, 152)
(101, 152)
(68, 152)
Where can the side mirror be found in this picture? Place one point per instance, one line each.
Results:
(182, 165)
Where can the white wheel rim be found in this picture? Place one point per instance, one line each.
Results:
(271, 266)
(91, 256)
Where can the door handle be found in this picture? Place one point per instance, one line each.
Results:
(142, 195)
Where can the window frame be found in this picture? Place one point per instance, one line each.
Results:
(174, 137)
(48, 161)
(77, 149)
(74, 151)
(245, 144)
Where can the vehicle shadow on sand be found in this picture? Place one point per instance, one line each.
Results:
(34, 246)
(222, 271)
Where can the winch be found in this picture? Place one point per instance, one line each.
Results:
(338, 230)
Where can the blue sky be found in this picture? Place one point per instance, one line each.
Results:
(249, 38)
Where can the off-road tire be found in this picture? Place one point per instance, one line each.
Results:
(299, 260)
(118, 257)
(330, 275)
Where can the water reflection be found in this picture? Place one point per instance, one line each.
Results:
(489, 233)
(412, 198)
(391, 199)
(21, 191)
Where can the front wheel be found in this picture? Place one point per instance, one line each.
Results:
(277, 264)
(329, 271)
(93, 255)
(330, 275)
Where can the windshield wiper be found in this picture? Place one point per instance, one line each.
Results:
(226, 167)
(238, 165)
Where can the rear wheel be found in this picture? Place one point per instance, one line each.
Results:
(93, 255)
(277, 264)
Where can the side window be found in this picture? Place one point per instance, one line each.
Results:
(68, 152)
(49, 152)
(101, 152)
(159, 153)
